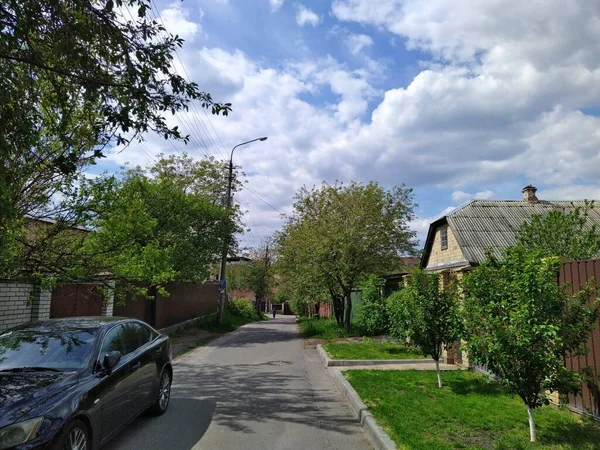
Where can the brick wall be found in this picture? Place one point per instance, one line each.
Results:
(15, 307)
(452, 253)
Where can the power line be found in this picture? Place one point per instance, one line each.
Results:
(263, 200)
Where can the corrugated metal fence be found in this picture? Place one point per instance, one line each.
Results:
(574, 275)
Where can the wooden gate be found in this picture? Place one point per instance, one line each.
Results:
(76, 299)
(576, 274)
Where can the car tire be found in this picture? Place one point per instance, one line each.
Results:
(164, 394)
(74, 436)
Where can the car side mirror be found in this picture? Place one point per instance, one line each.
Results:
(111, 359)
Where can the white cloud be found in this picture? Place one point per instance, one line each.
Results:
(276, 4)
(176, 21)
(502, 103)
(305, 16)
(461, 196)
(357, 42)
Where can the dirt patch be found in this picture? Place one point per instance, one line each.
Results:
(185, 340)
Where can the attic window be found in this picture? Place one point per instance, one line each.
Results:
(444, 238)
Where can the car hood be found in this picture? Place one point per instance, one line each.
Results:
(22, 393)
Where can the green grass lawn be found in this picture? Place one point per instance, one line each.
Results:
(323, 329)
(372, 350)
(468, 412)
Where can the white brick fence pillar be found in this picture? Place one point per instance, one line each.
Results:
(109, 300)
(40, 306)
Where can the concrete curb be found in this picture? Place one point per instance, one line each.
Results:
(328, 362)
(379, 438)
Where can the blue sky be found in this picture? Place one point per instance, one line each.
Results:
(454, 98)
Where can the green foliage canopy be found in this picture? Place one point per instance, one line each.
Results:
(520, 324)
(562, 233)
(340, 234)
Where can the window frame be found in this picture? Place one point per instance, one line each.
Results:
(444, 237)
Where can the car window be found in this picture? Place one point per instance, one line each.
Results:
(114, 341)
(136, 335)
(62, 349)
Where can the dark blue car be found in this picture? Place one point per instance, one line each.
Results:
(75, 383)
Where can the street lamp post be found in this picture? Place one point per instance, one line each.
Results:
(222, 282)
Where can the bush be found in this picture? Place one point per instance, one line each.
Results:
(397, 311)
(241, 307)
(372, 315)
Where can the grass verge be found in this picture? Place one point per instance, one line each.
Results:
(231, 322)
(372, 350)
(468, 412)
(324, 329)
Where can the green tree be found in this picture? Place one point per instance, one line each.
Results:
(520, 323)
(147, 231)
(567, 233)
(428, 315)
(341, 234)
(372, 315)
(76, 76)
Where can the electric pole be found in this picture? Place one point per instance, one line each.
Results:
(226, 240)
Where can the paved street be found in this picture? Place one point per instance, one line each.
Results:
(257, 388)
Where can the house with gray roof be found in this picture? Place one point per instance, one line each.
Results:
(459, 240)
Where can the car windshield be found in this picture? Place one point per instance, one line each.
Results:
(59, 350)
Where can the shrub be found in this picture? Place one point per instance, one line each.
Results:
(371, 316)
(243, 308)
(396, 305)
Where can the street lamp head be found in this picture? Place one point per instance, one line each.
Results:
(263, 138)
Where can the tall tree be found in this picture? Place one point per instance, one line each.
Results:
(346, 232)
(429, 314)
(145, 231)
(76, 76)
(567, 233)
(520, 323)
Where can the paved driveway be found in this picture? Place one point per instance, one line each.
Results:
(257, 388)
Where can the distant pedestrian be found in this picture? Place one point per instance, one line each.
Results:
(274, 312)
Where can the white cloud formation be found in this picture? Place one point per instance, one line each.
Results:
(357, 42)
(503, 102)
(507, 99)
(461, 196)
(177, 21)
(276, 4)
(305, 16)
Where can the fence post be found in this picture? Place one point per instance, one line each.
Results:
(109, 300)
(40, 306)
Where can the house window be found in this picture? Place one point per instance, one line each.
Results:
(444, 238)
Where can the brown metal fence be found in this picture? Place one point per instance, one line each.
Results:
(186, 301)
(76, 299)
(574, 275)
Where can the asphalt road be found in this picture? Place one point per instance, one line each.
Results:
(256, 388)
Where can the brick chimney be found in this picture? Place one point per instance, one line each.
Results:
(529, 194)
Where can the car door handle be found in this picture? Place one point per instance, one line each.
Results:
(159, 350)
(136, 366)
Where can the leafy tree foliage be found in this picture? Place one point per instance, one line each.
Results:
(372, 316)
(520, 323)
(340, 234)
(145, 231)
(75, 76)
(427, 314)
(562, 233)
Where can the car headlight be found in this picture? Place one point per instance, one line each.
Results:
(19, 433)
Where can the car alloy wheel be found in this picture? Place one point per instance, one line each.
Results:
(76, 440)
(164, 393)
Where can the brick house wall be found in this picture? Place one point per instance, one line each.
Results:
(451, 253)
